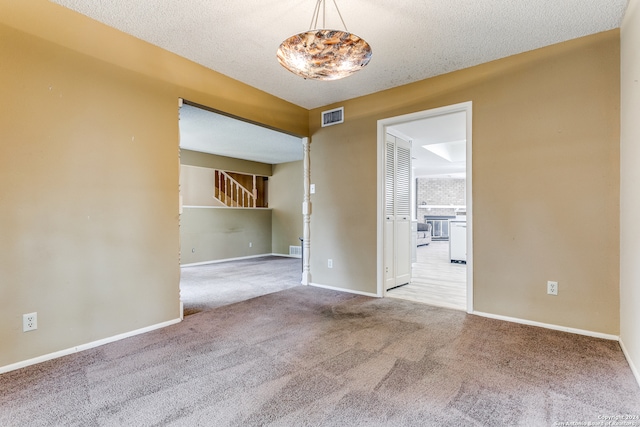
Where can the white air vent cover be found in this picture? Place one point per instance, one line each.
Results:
(333, 117)
(295, 251)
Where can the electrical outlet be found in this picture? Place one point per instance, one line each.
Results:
(29, 322)
(330, 263)
(552, 288)
(250, 244)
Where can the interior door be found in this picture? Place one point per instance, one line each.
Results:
(389, 214)
(397, 224)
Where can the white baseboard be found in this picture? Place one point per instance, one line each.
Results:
(633, 367)
(82, 347)
(548, 326)
(216, 261)
(287, 256)
(350, 291)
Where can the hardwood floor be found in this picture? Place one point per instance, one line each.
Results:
(435, 280)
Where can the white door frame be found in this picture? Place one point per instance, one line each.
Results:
(382, 125)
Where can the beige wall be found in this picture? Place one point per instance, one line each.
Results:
(629, 179)
(197, 178)
(190, 81)
(209, 234)
(89, 178)
(89, 203)
(545, 182)
(212, 234)
(212, 161)
(89, 175)
(197, 186)
(285, 199)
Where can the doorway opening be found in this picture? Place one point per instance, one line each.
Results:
(240, 222)
(441, 192)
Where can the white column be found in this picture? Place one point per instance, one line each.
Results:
(306, 213)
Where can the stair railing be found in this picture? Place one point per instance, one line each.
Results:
(231, 193)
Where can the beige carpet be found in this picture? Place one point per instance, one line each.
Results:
(207, 286)
(313, 357)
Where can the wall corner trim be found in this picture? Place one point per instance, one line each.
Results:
(87, 346)
(634, 369)
(548, 326)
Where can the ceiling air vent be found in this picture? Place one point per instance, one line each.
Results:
(333, 117)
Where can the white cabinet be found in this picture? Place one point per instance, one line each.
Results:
(458, 241)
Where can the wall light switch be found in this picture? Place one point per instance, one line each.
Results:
(312, 189)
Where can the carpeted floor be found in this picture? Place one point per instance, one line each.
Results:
(314, 357)
(207, 286)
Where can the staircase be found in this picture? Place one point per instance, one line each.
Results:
(231, 193)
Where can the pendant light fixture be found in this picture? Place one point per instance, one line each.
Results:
(324, 54)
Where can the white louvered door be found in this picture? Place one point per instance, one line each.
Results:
(389, 213)
(397, 222)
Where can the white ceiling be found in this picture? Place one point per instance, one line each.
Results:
(209, 132)
(448, 132)
(411, 39)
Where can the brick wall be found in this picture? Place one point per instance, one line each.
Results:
(439, 191)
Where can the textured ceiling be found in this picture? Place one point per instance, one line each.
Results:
(411, 39)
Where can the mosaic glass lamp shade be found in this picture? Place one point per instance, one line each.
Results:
(323, 54)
